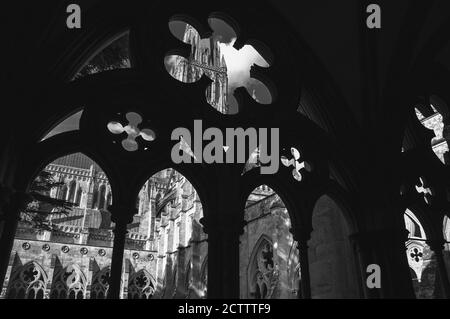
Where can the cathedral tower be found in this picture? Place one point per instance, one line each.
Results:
(205, 58)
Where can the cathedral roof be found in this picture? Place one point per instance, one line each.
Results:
(94, 219)
(77, 160)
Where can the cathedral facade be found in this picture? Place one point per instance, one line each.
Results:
(166, 249)
(164, 246)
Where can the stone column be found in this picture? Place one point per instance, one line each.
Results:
(385, 248)
(223, 258)
(305, 284)
(302, 237)
(224, 223)
(437, 246)
(121, 216)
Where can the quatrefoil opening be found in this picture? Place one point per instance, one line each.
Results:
(216, 57)
(134, 119)
(297, 165)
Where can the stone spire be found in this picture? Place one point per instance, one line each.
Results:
(205, 58)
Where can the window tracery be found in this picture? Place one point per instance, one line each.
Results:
(100, 284)
(263, 274)
(28, 283)
(141, 286)
(70, 284)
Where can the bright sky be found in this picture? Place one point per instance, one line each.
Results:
(239, 62)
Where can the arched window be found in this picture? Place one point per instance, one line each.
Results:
(59, 290)
(421, 259)
(63, 192)
(413, 226)
(331, 258)
(141, 285)
(262, 273)
(265, 246)
(115, 54)
(71, 123)
(170, 216)
(28, 282)
(72, 189)
(102, 197)
(75, 281)
(78, 197)
(100, 284)
(94, 198)
(69, 283)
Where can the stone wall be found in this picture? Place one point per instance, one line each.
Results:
(331, 260)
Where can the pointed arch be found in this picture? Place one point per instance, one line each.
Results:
(69, 283)
(66, 124)
(421, 259)
(413, 225)
(75, 280)
(28, 282)
(169, 196)
(100, 283)
(63, 192)
(267, 236)
(78, 196)
(112, 54)
(261, 269)
(331, 257)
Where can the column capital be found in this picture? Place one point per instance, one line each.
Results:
(122, 214)
(301, 235)
(229, 225)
